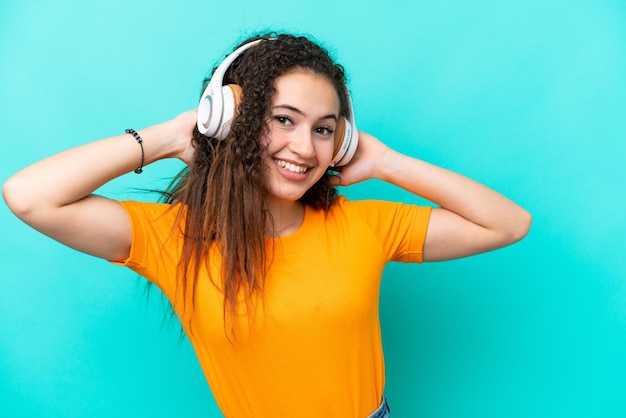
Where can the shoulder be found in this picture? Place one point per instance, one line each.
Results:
(398, 229)
(151, 212)
(372, 210)
(153, 208)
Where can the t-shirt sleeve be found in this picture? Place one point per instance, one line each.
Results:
(155, 241)
(400, 228)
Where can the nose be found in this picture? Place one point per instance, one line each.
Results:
(301, 143)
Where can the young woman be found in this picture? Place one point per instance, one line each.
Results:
(274, 277)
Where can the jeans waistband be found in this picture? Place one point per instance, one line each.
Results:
(382, 411)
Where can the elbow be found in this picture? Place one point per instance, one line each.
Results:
(520, 226)
(15, 198)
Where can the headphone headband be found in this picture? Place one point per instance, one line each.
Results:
(211, 108)
(224, 65)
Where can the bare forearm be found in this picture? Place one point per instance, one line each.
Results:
(71, 175)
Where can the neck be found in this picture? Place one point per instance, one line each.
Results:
(287, 217)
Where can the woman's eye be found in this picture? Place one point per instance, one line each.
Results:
(283, 120)
(324, 130)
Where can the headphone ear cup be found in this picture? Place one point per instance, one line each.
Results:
(346, 141)
(340, 132)
(231, 94)
(205, 113)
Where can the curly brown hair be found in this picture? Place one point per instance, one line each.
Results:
(223, 191)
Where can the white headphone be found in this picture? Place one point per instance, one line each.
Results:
(219, 103)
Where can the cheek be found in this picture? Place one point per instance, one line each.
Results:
(274, 141)
(324, 150)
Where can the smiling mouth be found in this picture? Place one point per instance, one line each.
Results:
(298, 169)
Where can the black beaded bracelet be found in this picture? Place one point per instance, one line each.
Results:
(134, 133)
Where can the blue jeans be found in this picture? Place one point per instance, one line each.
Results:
(382, 411)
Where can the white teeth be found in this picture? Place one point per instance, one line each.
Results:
(292, 167)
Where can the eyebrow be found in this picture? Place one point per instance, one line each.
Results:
(300, 112)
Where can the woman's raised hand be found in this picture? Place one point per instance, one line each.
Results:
(181, 131)
(366, 162)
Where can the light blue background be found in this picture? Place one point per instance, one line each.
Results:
(527, 96)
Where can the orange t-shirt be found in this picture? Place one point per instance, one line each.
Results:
(312, 347)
